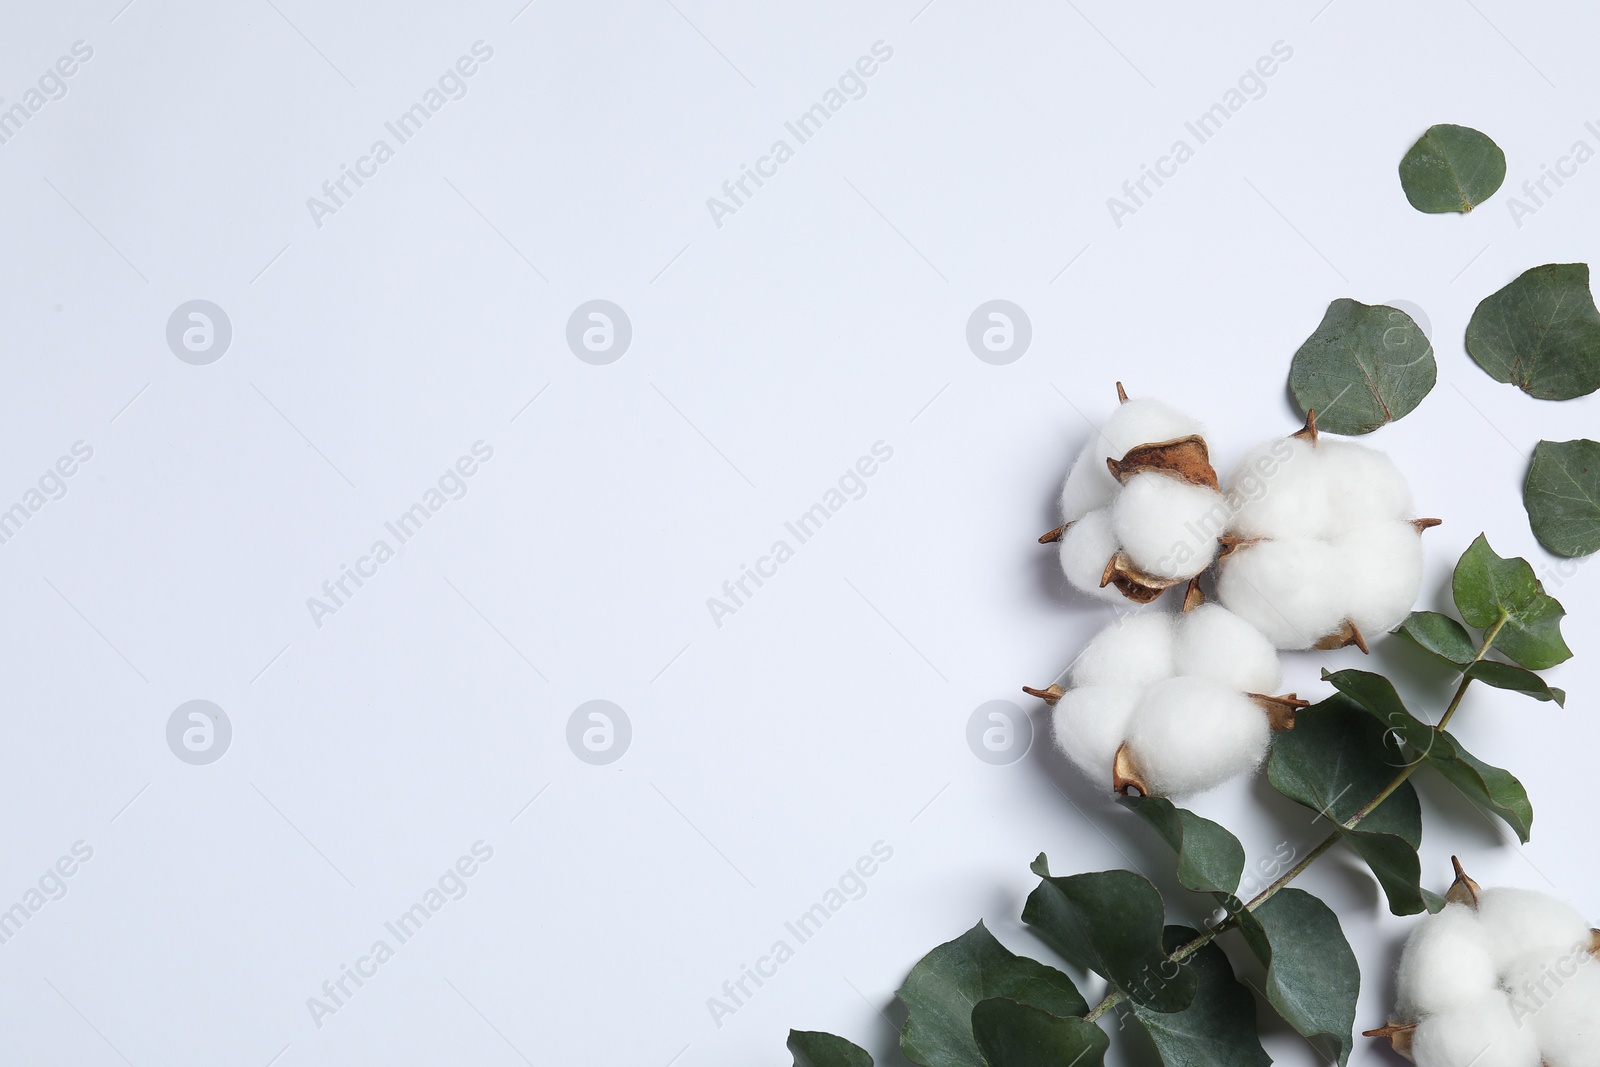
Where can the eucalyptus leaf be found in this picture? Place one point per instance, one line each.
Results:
(1562, 495)
(1541, 333)
(1516, 679)
(1110, 922)
(1210, 859)
(814, 1048)
(944, 985)
(1219, 1028)
(1312, 975)
(1366, 365)
(1451, 168)
(1441, 635)
(1496, 789)
(1019, 1035)
(1335, 761)
(1487, 587)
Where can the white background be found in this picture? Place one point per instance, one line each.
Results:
(768, 354)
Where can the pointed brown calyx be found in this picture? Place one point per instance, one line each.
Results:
(1230, 544)
(1463, 890)
(1193, 596)
(1308, 432)
(1183, 457)
(1426, 524)
(1344, 636)
(1131, 582)
(1124, 778)
(1280, 710)
(1054, 535)
(1051, 695)
(1122, 394)
(1594, 943)
(1399, 1035)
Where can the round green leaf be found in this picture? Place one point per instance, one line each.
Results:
(1562, 496)
(1366, 365)
(941, 989)
(1219, 1028)
(814, 1048)
(1451, 168)
(1111, 922)
(1441, 635)
(1541, 333)
(1019, 1035)
(1312, 975)
(1487, 586)
(1210, 858)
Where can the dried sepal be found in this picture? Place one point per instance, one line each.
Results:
(1193, 596)
(1347, 634)
(1463, 890)
(1050, 695)
(1230, 544)
(1594, 943)
(1308, 432)
(1399, 1035)
(1122, 394)
(1133, 583)
(1186, 457)
(1425, 524)
(1280, 710)
(1125, 777)
(1051, 536)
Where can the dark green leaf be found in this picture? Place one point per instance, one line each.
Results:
(1541, 333)
(1451, 168)
(1487, 588)
(1110, 923)
(1441, 635)
(1505, 676)
(1312, 976)
(941, 989)
(1366, 365)
(1491, 786)
(1335, 761)
(1219, 1028)
(1562, 495)
(1019, 1035)
(813, 1048)
(1210, 859)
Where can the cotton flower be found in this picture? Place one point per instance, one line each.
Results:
(1169, 705)
(1499, 978)
(1140, 507)
(1322, 548)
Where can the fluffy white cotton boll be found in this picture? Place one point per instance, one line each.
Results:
(1446, 962)
(1136, 650)
(1479, 1033)
(1142, 421)
(1090, 724)
(1521, 923)
(1567, 1021)
(1286, 589)
(1213, 642)
(1380, 567)
(1089, 485)
(1191, 734)
(1363, 485)
(1086, 548)
(1280, 492)
(1168, 527)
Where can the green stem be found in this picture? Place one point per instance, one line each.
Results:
(1183, 952)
